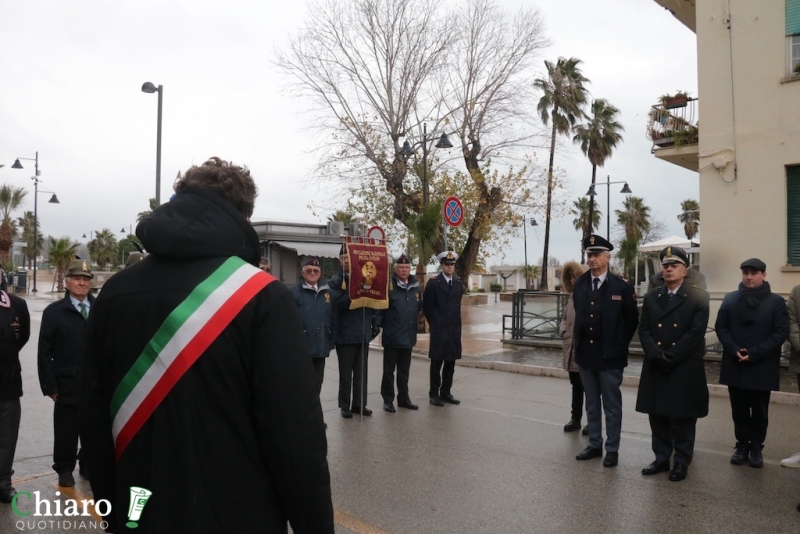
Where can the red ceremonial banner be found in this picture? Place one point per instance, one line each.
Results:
(369, 276)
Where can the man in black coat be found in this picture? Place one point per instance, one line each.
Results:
(673, 382)
(399, 324)
(441, 303)
(15, 330)
(752, 325)
(198, 381)
(61, 344)
(606, 316)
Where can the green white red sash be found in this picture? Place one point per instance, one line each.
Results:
(182, 338)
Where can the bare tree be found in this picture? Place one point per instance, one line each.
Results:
(379, 69)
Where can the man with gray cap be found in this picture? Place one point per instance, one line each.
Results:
(606, 317)
(673, 383)
(752, 325)
(441, 303)
(61, 342)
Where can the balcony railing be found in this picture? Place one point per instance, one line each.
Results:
(673, 123)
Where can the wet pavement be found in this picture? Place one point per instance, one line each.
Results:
(498, 463)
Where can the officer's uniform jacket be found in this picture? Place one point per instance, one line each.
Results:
(399, 321)
(675, 326)
(15, 330)
(442, 306)
(604, 322)
(318, 316)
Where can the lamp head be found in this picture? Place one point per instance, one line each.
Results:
(626, 189)
(534, 223)
(54, 199)
(591, 192)
(17, 165)
(444, 142)
(406, 150)
(148, 87)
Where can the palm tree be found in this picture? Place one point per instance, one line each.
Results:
(143, 214)
(598, 137)
(62, 252)
(530, 272)
(426, 228)
(10, 199)
(341, 216)
(103, 248)
(581, 208)
(690, 217)
(29, 235)
(563, 97)
(634, 218)
(627, 255)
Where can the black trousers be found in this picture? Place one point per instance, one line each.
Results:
(750, 411)
(65, 437)
(442, 372)
(670, 433)
(352, 367)
(577, 395)
(10, 414)
(401, 359)
(319, 372)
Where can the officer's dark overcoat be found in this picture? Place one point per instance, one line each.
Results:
(442, 306)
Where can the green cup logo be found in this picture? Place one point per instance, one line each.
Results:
(139, 498)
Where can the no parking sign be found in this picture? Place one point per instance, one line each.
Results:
(453, 211)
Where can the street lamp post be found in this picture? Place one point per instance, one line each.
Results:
(525, 237)
(91, 233)
(591, 193)
(150, 88)
(406, 151)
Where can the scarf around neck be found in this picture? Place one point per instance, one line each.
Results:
(750, 300)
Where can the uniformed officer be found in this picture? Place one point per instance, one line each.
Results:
(673, 383)
(61, 343)
(606, 317)
(441, 303)
(399, 323)
(315, 305)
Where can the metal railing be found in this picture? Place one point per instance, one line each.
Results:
(673, 125)
(536, 314)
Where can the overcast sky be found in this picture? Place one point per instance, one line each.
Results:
(70, 88)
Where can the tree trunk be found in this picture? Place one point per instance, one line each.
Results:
(588, 228)
(543, 286)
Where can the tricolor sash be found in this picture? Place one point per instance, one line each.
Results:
(182, 338)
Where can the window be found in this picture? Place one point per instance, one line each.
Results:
(793, 215)
(793, 36)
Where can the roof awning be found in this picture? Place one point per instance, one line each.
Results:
(326, 250)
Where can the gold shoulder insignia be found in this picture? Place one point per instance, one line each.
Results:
(654, 289)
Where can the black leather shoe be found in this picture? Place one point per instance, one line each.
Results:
(572, 426)
(678, 472)
(656, 467)
(346, 413)
(756, 459)
(588, 453)
(407, 405)
(387, 407)
(585, 430)
(436, 401)
(611, 459)
(362, 411)
(740, 455)
(448, 398)
(7, 494)
(66, 480)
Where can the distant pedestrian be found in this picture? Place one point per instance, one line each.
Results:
(793, 307)
(15, 330)
(315, 305)
(441, 302)
(673, 387)
(62, 339)
(354, 330)
(606, 317)
(570, 272)
(752, 326)
(399, 323)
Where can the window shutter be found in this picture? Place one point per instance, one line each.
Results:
(793, 214)
(792, 17)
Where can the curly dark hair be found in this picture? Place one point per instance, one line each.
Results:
(226, 180)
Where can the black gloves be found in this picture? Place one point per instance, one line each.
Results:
(665, 365)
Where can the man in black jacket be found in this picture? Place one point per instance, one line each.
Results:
(198, 381)
(606, 316)
(399, 323)
(15, 330)
(752, 325)
(673, 383)
(61, 343)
